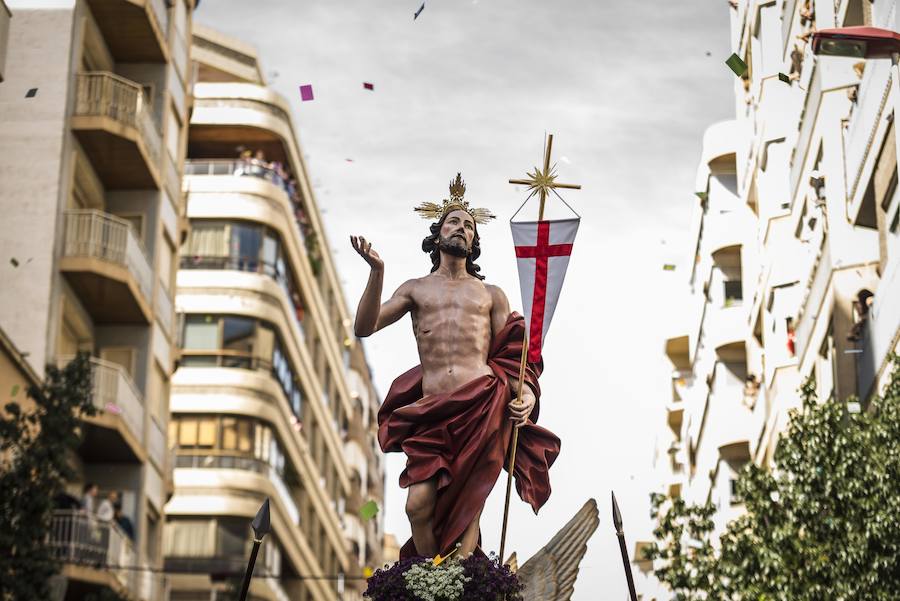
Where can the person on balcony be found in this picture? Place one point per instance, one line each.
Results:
(105, 511)
(89, 498)
(123, 520)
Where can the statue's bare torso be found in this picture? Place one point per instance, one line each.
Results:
(451, 321)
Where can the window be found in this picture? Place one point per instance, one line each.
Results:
(733, 490)
(734, 293)
(235, 441)
(233, 536)
(238, 334)
(246, 241)
(189, 538)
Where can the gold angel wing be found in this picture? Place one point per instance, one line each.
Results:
(550, 575)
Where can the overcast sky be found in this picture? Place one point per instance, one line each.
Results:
(472, 86)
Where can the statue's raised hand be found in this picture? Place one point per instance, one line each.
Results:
(366, 252)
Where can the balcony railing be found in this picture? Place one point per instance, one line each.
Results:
(92, 233)
(115, 393)
(239, 167)
(104, 94)
(82, 539)
(866, 116)
(251, 464)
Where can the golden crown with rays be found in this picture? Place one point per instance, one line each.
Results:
(435, 211)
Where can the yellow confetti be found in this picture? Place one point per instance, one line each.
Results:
(367, 572)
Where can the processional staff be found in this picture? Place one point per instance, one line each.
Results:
(541, 182)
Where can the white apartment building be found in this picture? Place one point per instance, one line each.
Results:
(272, 396)
(796, 249)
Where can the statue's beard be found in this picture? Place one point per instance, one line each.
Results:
(455, 247)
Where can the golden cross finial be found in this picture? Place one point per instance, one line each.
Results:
(541, 182)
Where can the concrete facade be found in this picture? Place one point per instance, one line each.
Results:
(803, 183)
(92, 209)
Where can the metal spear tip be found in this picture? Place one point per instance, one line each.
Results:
(617, 515)
(261, 524)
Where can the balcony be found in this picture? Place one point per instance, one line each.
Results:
(240, 462)
(116, 433)
(113, 122)
(862, 142)
(134, 30)
(93, 550)
(107, 266)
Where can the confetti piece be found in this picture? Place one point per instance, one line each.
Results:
(369, 86)
(702, 196)
(708, 53)
(349, 160)
(306, 92)
(113, 408)
(668, 267)
(14, 262)
(419, 12)
(736, 64)
(367, 572)
(565, 160)
(853, 407)
(368, 511)
(784, 78)
(31, 93)
(15, 390)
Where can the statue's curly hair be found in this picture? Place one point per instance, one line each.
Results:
(430, 245)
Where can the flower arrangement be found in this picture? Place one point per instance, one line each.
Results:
(475, 578)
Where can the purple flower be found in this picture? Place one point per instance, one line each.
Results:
(488, 580)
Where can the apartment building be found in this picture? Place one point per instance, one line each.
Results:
(272, 396)
(800, 192)
(93, 114)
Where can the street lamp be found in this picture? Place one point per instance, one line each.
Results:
(865, 43)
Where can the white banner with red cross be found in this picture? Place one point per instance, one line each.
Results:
(543, 249)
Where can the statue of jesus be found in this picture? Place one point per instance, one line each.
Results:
(453, 414)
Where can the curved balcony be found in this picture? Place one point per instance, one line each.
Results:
(242, 463)
(113, 123)
(107, 267)
(227, 115)
(134, 30)
(249, 186)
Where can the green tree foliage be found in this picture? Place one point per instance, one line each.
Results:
(822, 524)
(36, 442)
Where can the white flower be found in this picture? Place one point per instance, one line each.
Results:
(436, 583)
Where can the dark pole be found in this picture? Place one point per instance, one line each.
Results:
(617, 520)
(261, 526)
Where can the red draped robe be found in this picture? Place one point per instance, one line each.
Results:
(462, 437)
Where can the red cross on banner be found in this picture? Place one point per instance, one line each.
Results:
(542, 253)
